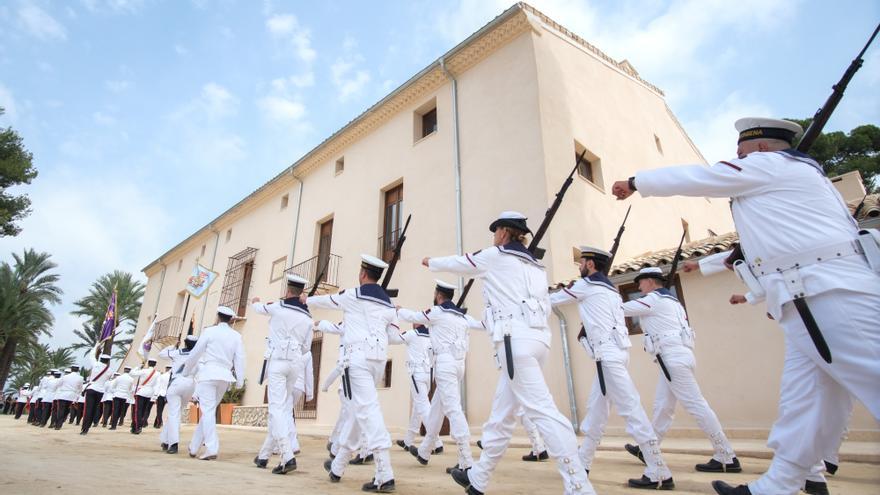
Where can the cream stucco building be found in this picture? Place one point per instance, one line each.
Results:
(494, 124)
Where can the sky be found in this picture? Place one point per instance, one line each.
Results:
(147, 119)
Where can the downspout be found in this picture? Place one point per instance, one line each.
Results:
(296, 223)
(566, 360)
(213, 258)
(161, 285)
(456, 159)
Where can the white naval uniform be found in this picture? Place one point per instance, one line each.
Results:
(69, 387)
(784, 207)
(370, 323)
(668, 334)
(448, 330)
(290, 335)
(147, 378)
(162, 385)
(515, 292)
(124, 386)
(109, 390)
(532, 431)
(607, 341)
(217, 353)
(419, 361)
(23, 395)
(304, 386)
(178, 393)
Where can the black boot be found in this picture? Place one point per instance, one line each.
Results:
(261, 463)
(645, 483)
(415, 453)
(714, 466)
(285, 467)
(328, 466)
(460, 476)
(387, 487)
(830, 468)
(164, 447)
(480, 444)
(722, 488)
(636, 451)
(402, 444)
(531, 457)
(358, 460)
(438, 450)
(449, 469)
(172, 449)
(816, 488)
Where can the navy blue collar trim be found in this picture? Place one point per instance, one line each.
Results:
(600, 278)
(804, 158)
(520, 251)
(450, 307)
(422, 330)
(294, 304)
(375, 293)
(664, 292)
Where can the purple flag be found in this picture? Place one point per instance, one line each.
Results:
(109, 319)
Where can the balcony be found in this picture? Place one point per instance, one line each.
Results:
(168, 330)
(324, 266)
(387, 244)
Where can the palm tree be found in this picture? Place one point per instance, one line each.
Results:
(129, 293)
(35, 360)
(26, 287)
(90, 334)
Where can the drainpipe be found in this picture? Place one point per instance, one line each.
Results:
(566, 359)
(161, 284)
(456, 159)
(296, 223)
(213, 258)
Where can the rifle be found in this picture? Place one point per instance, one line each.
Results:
(824, 113)
(675, 259)
(858, 209)
(318, 278)
(616, 243)
(390, 271)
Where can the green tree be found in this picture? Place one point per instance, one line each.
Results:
(93, 308)
(16, 167)
(840, 152)
(34, 361)
(27, 287)
(90, 334)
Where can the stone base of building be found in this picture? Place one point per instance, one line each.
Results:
(251, 416)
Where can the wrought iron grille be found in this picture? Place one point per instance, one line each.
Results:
(325, 264)
(237, 280)
(309, 409)
(168, 330)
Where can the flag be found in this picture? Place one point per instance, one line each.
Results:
(199, 281)
(147, 341)
(109, 319)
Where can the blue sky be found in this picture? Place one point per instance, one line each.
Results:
(149, 118)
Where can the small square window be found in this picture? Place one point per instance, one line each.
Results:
(429, 122)
(179, 265)
(340, 165)
(203, 251)
(228, 235)
(658, 144)
(284, 201)
(425, 120)
(590, 166)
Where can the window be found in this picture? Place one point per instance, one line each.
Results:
(278, 267)
(630, 292)
(391, 222)
(203, 251)
(228, 235)
(658, 144)
(309, 409)
(325, 237)
(340, 165)
(179, 265)
(386, 377)
(425, 120)
(284, 200)
(237, 281)
(589, 167)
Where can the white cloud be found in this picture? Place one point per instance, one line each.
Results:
(217, 101)
(348, 81)
(713, 130)
(102, 118)
(282, 109)
(118, 86)
(287, 28)
(180, 50)
(8, 103)
(303, 80)
(38, 23)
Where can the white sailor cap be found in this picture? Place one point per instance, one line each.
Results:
(67, 370)
(513, 219)
(74, 367)
(151, 360)
(763, 128)
(104, 356)
(53, 370)
(168, 367)
(296, 280)
(226, 311)
(191, 338)
(593, 253)
(27, 384)
(650, 272)
(445, 288)
(116, 373)
(373, 264)
(126, 368)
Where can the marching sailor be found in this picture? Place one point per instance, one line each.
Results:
(667, 332)
(24, 395)
(447, 329)
(370, 323)
(161, 397)
(107, 401)
(223, 361)
(35, 416)
(290, 335)
(606, 340)
(49, 404)
(179, 392)
(419, 357)
(122, 389)
(69, 388)
(146, 386)
(803, 253)
(515, 292)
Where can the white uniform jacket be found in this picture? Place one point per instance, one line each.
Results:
(109, 389)
(178, 359)
(419, 354)
(123, 386)
(663, 320)
(50, 389)
(290, 328)
(448, 327)
(99, 376)
(147, 379)
(69, 386)
(23, 395)
(221, 351)
(162, 384)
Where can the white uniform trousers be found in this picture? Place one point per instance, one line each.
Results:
(448, 373)
(623, 395)
(680, 363)
(269, 446)
(528, 390)
(532, 431)
(832, 454)
(368, 420)
(178, 395)
(282, 379)
(814, 402)
(209, 392)
(419, 385)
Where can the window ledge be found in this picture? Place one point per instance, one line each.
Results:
(588, 181)
(424, 138)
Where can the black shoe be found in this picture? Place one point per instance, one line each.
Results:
(285, 468)
(646, 483)
(438, 450)
(164, 447)
(816, 488)
(830, 468)
(387, 487)
(329, 446)
(172, 449)
(636, 451)
(480, 444)
(460, 476)
(83, 433)
(402, 444)
(449, 469)
(415, 453)
(358, 460)
(112, 427)
(714, 466)
(531, 457)
(722, 488)
(261, 463)
(58, 427)
(328, 466)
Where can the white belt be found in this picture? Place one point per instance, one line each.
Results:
(508, 313)
(811, 257)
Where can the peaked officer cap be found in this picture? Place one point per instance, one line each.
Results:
(296, 281)
(762, 128)
(443, 287)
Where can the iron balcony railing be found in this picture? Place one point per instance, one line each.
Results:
(168, 330)
(326, 265)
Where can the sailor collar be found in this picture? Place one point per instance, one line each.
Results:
(664, 292)
(294, 304)
(520, 251)
(803, 158)
(422, 330)
(600, 279)
(450, 307)
(374, 293)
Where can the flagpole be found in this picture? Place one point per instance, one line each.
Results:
(114, 300)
